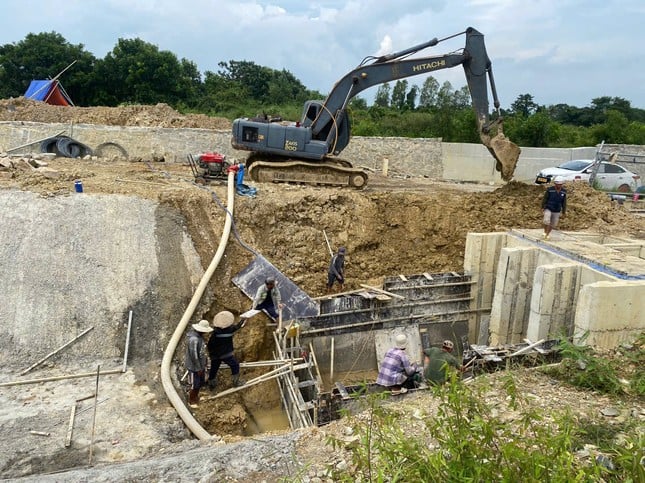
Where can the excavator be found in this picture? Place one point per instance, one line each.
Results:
(306, 151)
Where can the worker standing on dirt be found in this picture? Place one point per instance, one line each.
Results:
(267, 298)
(220, 347)
(196, 359)
(336, 271)
(554, 204)
(397, 373)
(438, 362)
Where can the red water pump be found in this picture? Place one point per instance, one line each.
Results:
(209, 166)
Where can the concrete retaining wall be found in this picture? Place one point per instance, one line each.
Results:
(405, 156)
(581, 285)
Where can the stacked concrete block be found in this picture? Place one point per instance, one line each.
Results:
(553, 301)
(610, 313)
(511, 301)
(480, 262)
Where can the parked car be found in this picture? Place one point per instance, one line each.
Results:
(610, 176)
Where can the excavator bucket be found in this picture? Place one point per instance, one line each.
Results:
(505, 152)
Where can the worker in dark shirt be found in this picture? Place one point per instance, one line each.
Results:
(220, 347)
(336, 270)
(554, 204)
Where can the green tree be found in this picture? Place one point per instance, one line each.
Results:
(43, 56)
(411, 98)
(524, 105)
(429, 92)
(382, 97)
(614, 130)
(398, 94)
(138, 72)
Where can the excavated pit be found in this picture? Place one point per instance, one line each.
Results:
(393, 227)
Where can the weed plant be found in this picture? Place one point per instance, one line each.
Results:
(465, 441)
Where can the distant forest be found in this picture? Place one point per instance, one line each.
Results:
(137, 72)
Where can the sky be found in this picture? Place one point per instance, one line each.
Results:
(558, 51)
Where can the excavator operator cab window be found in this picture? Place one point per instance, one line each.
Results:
(250, 134)
(312, 112)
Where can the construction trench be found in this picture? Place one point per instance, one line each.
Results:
(485, 284)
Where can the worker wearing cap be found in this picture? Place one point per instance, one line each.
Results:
(438, 362)
(397, 373)
(267, 298)
(554, 204)
(196, 359)
(336, 270)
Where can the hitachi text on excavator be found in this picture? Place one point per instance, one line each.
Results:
(305, 151)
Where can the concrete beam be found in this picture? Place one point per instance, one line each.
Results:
(480, 262)
(610, 313)
(513, 288)
(553, 301)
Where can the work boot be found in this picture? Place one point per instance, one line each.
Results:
(237, 382)
(212, 383)
(193, 397)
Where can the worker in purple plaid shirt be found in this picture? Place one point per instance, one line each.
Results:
(397, 373)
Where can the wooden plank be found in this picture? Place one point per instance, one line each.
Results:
(428, 276)
(385, 292)
(70, 427)
(342, 390)
(402, 277)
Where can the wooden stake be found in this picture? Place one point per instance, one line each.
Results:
(70, 427)
(55, 352)
(96, 391)
(127, 343)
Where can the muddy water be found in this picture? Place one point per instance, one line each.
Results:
(266, 420)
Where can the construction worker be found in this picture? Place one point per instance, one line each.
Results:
(267, 298)
(554, 204)
(336, 271)
(220, 347)
(397, 373)
(196, 359)
(437, 362)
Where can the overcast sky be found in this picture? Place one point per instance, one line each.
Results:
(559, 51)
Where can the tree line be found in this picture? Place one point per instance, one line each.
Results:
(137, 72)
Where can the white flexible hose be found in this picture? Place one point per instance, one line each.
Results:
(166, 380)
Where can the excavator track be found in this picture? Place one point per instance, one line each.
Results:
(326, 173)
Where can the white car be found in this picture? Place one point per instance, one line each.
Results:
(610, 176)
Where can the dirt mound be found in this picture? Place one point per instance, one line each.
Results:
(159, 115)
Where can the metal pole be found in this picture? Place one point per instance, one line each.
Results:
(96, 392)
(331, 364)
(34, 142)
(127, 344)
(55, 352)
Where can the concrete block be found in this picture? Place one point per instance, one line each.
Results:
(610, 313)
(513, 287)
(553, 301)
(480, 261)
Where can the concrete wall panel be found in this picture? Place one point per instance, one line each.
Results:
(513, 286)
(610, 313)
(553, 301)
(480, 261)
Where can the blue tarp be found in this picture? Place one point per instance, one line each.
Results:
(49, 91)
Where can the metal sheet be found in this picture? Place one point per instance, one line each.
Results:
(296, 302)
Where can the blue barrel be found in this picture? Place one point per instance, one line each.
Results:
(78, 186)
